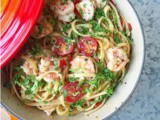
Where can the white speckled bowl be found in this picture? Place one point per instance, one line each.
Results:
(121, 94)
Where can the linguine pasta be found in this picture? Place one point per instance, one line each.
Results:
(74, 59)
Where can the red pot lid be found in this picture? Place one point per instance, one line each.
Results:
(17, 20)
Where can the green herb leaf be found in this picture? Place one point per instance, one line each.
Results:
(99, 13)
(72, 79)
(78, 103)
(66, 27)
(65, 93)
(109, 91)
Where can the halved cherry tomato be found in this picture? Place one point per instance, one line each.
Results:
(97, 104)
(87, 46)
(130, 27)
(75, 8)
(63, 62)
(74, 93)
(62, 48)
(111, 1)
(121, 20)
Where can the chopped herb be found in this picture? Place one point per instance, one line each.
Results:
(65, 93)
(86, 90)
(81, 12)
(78, 103)
(83, 30)
(73, 35)
(39, 101)
(102, 74)
(109, 91)
(45, 102)
(40, 27)
(97, 28)
(35, 49)
(99, 13)
(66, 27)
(72, 79)
(70, 18)
(80, 83)
(68, 40)
(86, 59)
(29, 82)
(116, 39)
(72, 70)
(52, 21)
(56, 66)
(18, 67)
(105, 1)
(94, 55)
(64, 2)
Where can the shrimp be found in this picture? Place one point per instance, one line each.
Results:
(82, 64)
(29, 67)
(117, 59)
(64, 11)
(86, 9)
(43, 28)
(46, 64)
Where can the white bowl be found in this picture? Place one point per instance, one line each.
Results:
(121, 94)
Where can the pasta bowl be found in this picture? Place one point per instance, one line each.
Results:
(117, 100)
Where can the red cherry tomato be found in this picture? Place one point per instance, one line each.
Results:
(97, 104)
(121, 20)
(74, 93)
(75, 8)
(61, 48)
(130, 27)
(111, 1)
(63, 62)
(87, 46)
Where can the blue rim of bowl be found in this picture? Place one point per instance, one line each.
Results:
(143, 59)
